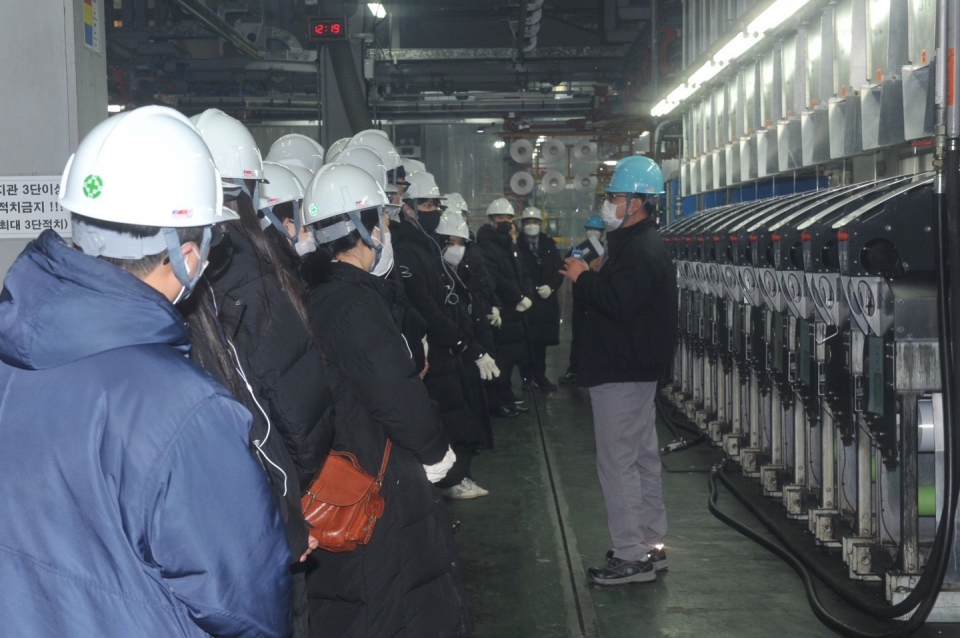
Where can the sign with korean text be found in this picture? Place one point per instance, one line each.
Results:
(31, 205)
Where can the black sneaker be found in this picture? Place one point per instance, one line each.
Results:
(569, 377)
(545, 384)
(620, 572)
(656, 556)
(520, 407)
(504, 411)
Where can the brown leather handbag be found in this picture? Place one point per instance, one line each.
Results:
(344, 502)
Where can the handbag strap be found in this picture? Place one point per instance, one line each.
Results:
(386, 457)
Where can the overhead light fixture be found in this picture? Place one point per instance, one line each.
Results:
(771, 18)
(541, 139)
(499, 144)
(377, 10)
(610, 162)
(115, 108)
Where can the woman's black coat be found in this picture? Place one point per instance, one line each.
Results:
(428, 285)
(406, 581)
(285, 369)
(544, 268)
(511, 284)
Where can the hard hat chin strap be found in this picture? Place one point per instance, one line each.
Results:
(179, 264)
(270, 218)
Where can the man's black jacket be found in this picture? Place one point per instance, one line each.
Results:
(630, 330)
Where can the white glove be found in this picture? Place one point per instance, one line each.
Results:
(494, 317)
(488, 367)
(544, 291)
(524, 305)
(439, 470)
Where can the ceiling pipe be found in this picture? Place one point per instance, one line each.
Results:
(209, 18)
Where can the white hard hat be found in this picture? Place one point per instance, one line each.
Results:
(335, 149)
(378, 141)
(452, 223)
(336, 190)
(105, 178)
(456, 202)
(305, 175)
(531, 212)
(422, 186)
(501, 206)
(299, 149)
(233, 148)
(282, 185)
(369, 160)
(413, 166)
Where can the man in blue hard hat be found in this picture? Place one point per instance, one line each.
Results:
(589, 251)
(626, 344)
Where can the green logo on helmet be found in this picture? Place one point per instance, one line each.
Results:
(313, 210)
(92, 186)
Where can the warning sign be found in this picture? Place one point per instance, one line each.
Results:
(91, 24)
(30, 205)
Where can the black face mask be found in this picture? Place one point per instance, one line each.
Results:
(504, 227)
(429, 220)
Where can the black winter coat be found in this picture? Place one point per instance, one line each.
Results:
(511, 283)
(286, 371)
(428, 284)
(544, 268)
(630, 330)
(406, 581)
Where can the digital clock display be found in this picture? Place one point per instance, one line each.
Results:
(326, 29)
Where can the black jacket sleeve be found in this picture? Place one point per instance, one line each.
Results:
(378, 366)
(621, 288)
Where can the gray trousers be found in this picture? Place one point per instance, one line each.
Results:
(628, 462)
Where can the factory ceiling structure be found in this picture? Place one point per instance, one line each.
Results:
(419, 60)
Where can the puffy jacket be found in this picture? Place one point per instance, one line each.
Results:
(630, 330)
(406, 581)
(511, 282)
(544, 266)
(287, 374)
(130, 504)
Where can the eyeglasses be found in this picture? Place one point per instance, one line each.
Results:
(613, 196)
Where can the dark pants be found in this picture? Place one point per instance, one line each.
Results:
(536, 370)
(460, 469)
(500, 389)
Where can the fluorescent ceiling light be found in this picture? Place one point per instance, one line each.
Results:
(499, 144)
(771, 18)
(115, 108)
(610, 162)
(377, 10)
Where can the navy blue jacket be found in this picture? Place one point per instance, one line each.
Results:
(130, 504)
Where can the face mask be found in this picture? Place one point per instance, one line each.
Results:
(594, 234)
(608, 212)
(377, 248)
(383, 267)
(184, 293)
(306, 246)
(453, 255)
(504, 227)
(531, 230)
(429, 220)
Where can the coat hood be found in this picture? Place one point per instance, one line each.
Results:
(59, 306)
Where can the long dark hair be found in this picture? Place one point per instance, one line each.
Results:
(248, 227)
(317, 267)
(211, 348)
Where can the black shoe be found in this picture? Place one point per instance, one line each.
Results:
(528, 385)
(520, 407)
(656, 556)
(504, 411)
(545, 384)
(569, 377)
(620, 572)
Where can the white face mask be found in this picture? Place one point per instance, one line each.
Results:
(183, 294)
(306, 246)
(608, 212)
(594, 234)
(454, 254)
(531, 230)
(385, 265)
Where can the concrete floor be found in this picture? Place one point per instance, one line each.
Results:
(520, 581)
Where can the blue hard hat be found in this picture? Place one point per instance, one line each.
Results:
(636, 174)
(595, 222)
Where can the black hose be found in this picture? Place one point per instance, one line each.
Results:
(351, 90)
(676, 422)
(809, 585)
